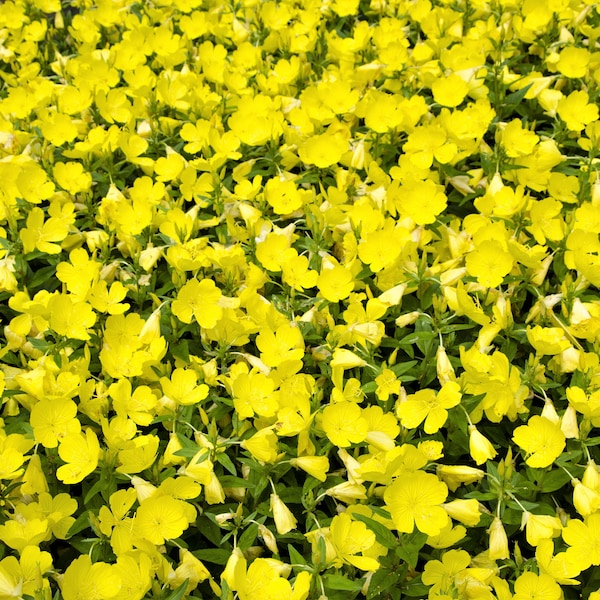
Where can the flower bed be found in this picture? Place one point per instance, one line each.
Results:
(299, 299)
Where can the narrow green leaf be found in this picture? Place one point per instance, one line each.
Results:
(384, 536)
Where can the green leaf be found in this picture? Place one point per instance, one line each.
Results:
(339, 582)
(295, 557)
(416, 589)
(516, 97)
(552, 481)
(383, 580)
(226, 462)
(247, 538)
(409, 547)
(82, 522)
(217, 556)
(382, 533)
(179, 593)
(95, 489)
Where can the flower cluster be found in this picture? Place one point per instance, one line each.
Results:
(299, 299)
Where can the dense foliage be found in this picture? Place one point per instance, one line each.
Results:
(299, 299)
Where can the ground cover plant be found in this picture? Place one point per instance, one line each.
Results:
(299, 299)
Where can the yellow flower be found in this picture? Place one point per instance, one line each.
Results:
(416, 499)
(575, 111)
(80, 453)
(449, 91)
(198, 300)
(429, 406)
(83, 580)
(343, 424)
(530, 586)
(335, 283)
(541, 439)
(573, 62)
(350, 537)
(323, 150)
(442, 574)
(547, 340)
(161, 518)
(489, 262)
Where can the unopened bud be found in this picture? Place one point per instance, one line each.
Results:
(498, 540)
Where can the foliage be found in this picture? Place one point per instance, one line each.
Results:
(299, 299)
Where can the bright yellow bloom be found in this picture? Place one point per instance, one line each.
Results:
(343, 424)
(198, 300)
(80, 453)
(161, 518)
(416, 499)
(429, 406)
(489, 262)
(530, 586)
(541, 439)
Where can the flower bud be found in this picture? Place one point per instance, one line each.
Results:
(284, 519)
(465, 511)
(268, 538)
(568, 423)
(445, 371)
(480, 447)
(585, 500)
(550, 412)
(498, 540)
(407, 319)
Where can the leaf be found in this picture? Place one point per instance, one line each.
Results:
(555, 480)
(409, 547)
(82, 522)
(247, 538)
(179, 593)
(97, 487)
(403, 367)
(416, 589)
(226, 462)
(516, 97)
(382, 533)
(383, 580)
(339, 582)
(295, 557)
(217, 556)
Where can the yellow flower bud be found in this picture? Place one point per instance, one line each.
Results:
(498, 540)
(284, 519)
(445, 371)
(585, 500)
(550, 412)
(480, 447)
(539, 527)
(465, 511)
(213, 490)
(407, 319)
(455, 475)
(317, 466)
(268, 538)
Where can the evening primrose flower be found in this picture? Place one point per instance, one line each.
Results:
(343, 424)
(489, 263)
(429, 406)
(416, 499)
(198, 300)
(541, 439)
